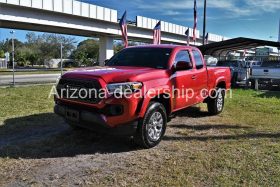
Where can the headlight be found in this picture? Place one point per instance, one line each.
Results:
(127, 87)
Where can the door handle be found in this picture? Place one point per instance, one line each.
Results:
(194, 77)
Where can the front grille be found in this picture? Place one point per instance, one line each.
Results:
(79, 90)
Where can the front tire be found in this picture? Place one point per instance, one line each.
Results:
(216, 103)
(152, 127)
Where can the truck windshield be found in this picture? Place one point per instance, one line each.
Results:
(142, 57)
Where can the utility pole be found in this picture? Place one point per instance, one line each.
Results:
(61, 58)
(204, 23)
(13, 55)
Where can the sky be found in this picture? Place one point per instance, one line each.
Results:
(230, 18)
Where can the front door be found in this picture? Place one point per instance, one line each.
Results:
(201, 77)
(183, 83)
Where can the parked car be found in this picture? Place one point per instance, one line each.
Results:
(268, 74)
(211, 61)
(238, 70)
(159, 80)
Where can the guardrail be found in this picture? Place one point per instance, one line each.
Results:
(72, 7)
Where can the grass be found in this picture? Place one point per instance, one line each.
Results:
(23, 101)
(240, 147)
(29, 72)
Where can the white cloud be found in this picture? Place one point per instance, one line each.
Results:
(232, 8)
(171, 13)
(166, 5)
(265, 5)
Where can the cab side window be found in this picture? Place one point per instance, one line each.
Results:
(182, 56)
(198, 60)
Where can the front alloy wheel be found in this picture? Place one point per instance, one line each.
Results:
(152, 127)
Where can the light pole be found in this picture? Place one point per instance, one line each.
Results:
(204, 22)
(13, 55)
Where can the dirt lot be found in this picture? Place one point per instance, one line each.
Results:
(239, 147)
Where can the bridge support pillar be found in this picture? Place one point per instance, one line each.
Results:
(106, 49)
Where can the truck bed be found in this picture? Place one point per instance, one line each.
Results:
(216, 74)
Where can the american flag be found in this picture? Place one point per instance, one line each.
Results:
(195, 21)
(157, 34)
(187, 33)
(123, 27)
(207, 38)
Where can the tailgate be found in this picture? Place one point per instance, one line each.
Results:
(273, 73)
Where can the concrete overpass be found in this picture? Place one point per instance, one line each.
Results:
(78, 18)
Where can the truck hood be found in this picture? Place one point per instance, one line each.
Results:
(117, 74)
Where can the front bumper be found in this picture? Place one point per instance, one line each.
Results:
(94, 121)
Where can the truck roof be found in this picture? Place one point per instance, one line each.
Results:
(170, 46)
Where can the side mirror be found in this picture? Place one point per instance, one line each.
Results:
(182, 65)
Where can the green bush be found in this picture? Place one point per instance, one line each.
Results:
(2, 54)
(23, 63)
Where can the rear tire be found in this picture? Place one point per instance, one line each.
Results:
(216, 103)
(234, 80)
(253, 84)
(152, 127)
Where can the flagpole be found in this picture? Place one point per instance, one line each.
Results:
(195, 22)
(123, 27)
(279, 41)
(204, 22)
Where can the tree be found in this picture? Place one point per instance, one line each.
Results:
(2, 54)
(87, 52)
(47, 46)
(39, 48)
(26, 56)
(118, 45)
(6, 45)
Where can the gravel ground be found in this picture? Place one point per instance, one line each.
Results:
(57, 155)
(240, 147)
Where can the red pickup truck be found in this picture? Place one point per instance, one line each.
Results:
(138, 90)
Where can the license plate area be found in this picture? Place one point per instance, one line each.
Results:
(72, 115)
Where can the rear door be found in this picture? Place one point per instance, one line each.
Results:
(200, 76)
